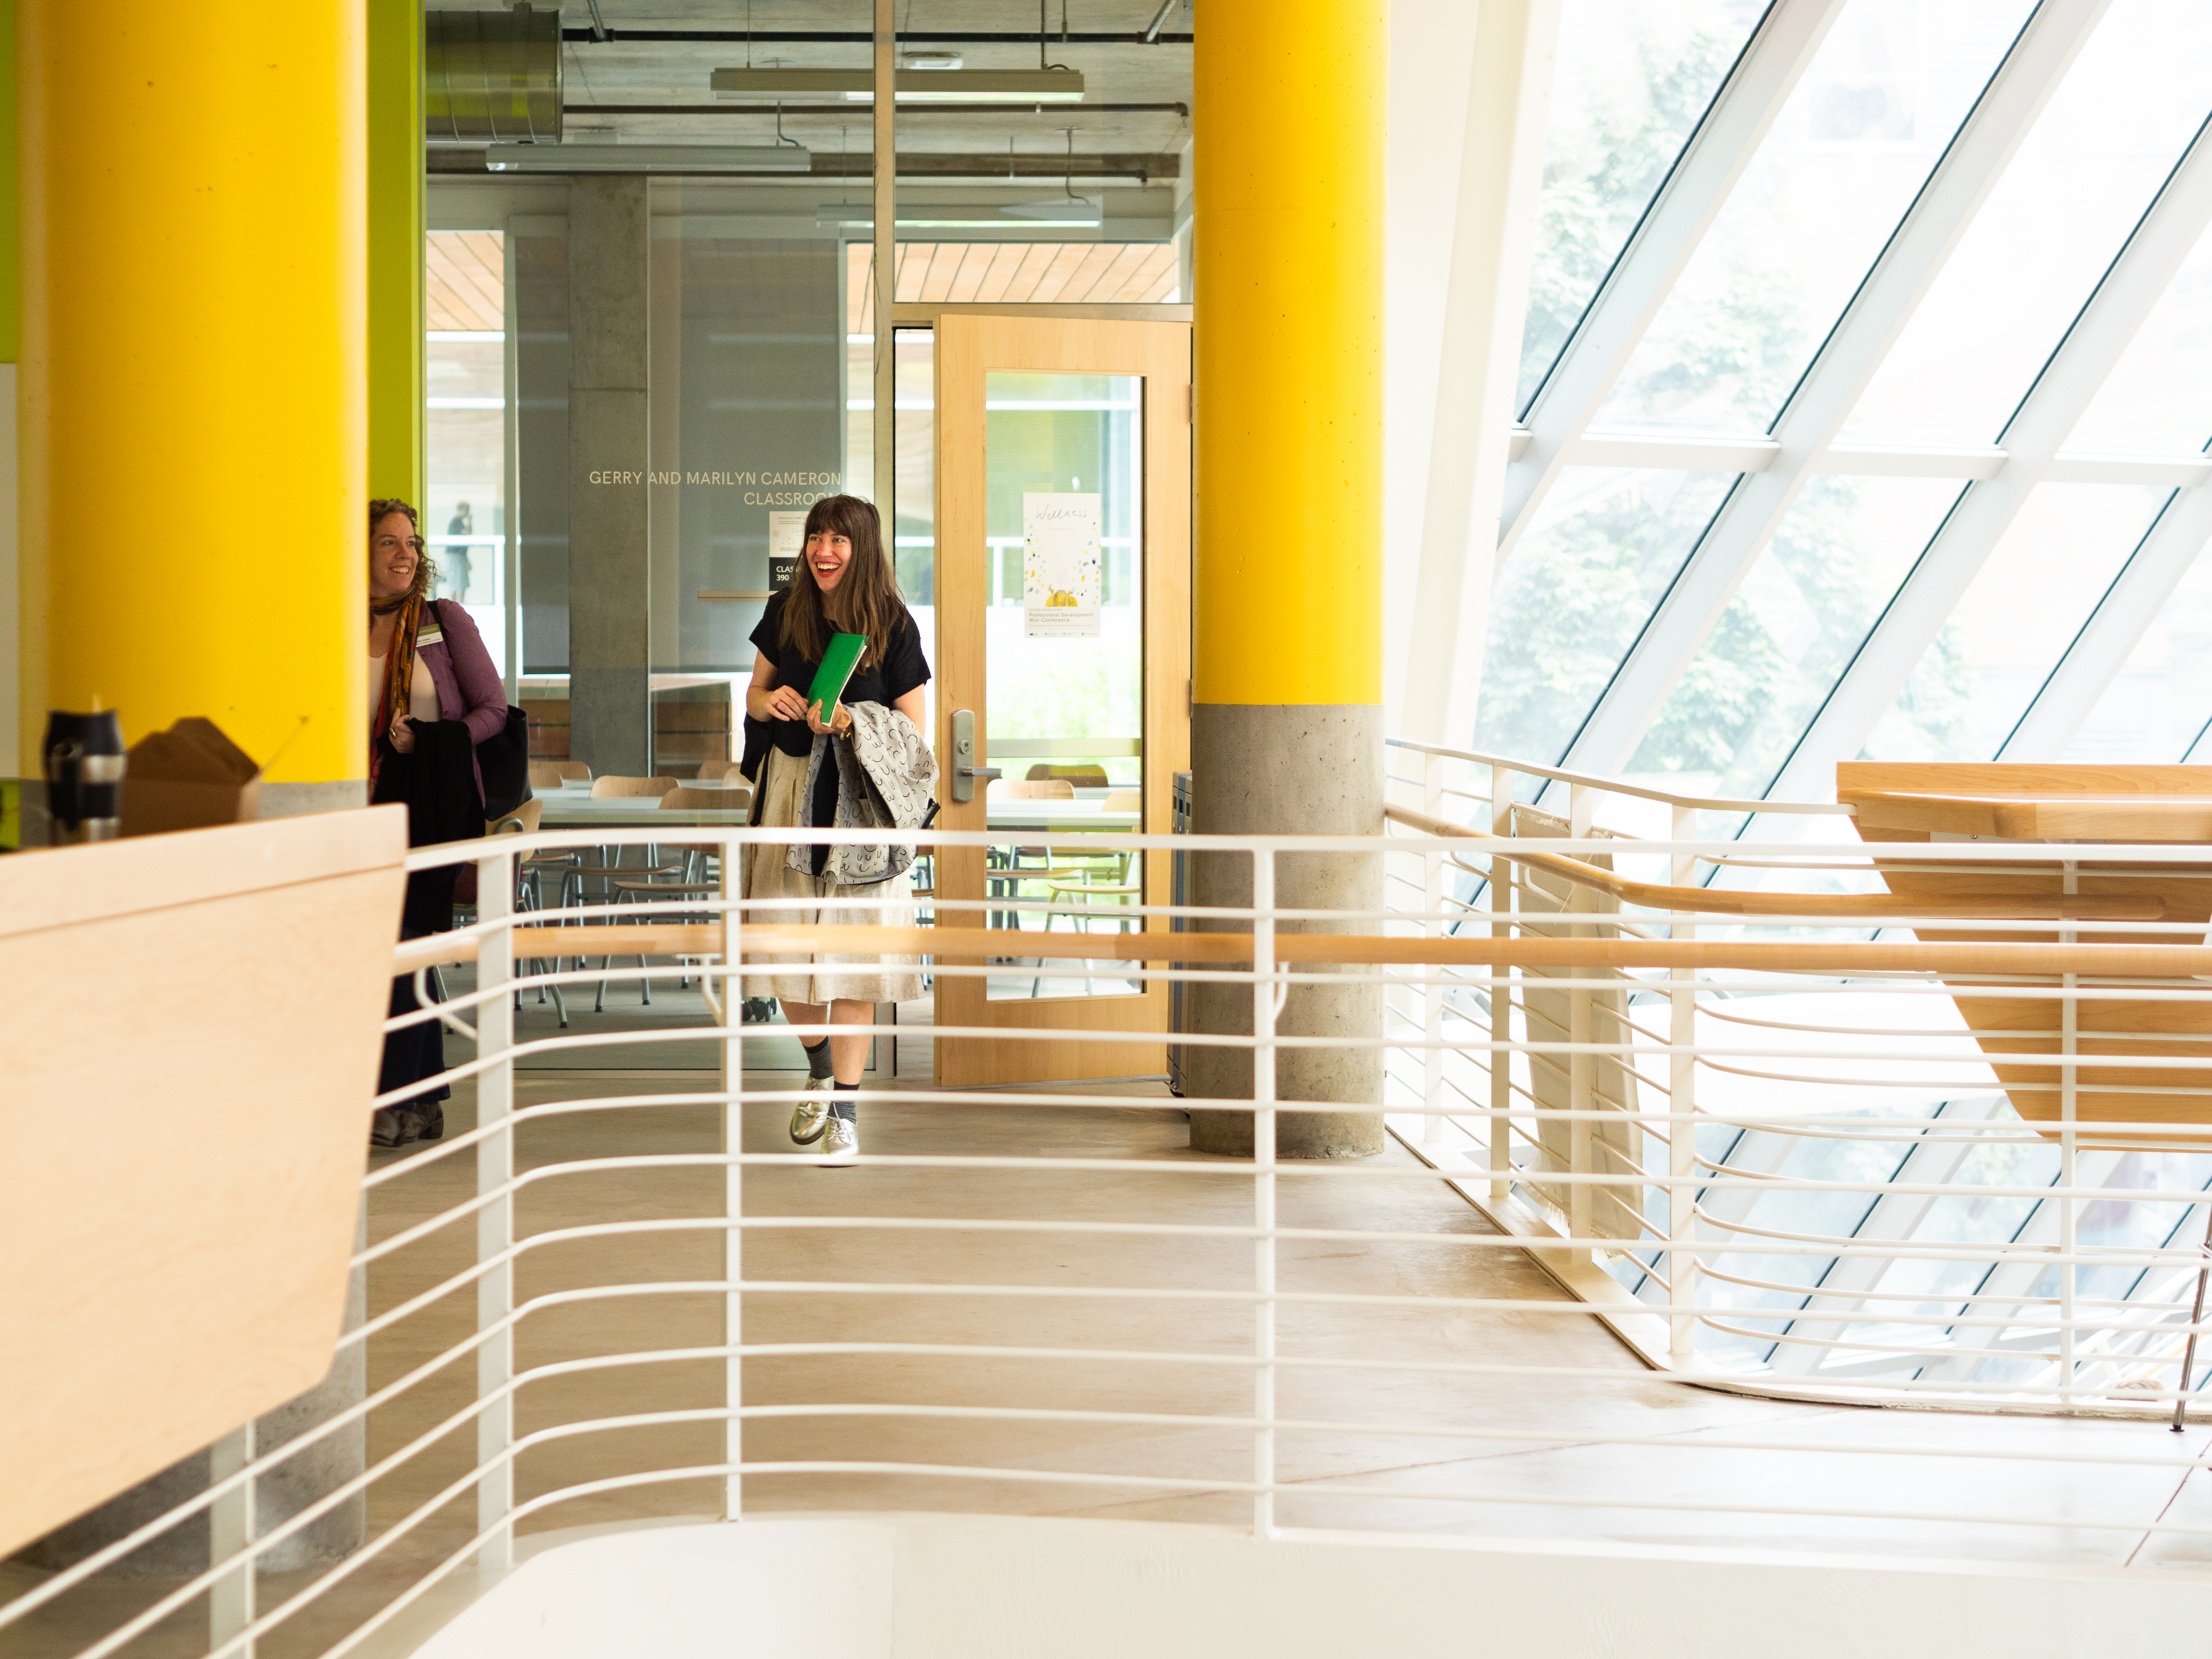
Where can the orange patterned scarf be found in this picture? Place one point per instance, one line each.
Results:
(398, 672)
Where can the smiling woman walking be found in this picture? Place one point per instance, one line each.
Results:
(843, 584)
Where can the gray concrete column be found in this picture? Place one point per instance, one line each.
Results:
(1260, 769)
(610, 700)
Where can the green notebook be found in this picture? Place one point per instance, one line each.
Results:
(838, 663)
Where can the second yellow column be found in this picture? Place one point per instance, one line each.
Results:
(193, 395)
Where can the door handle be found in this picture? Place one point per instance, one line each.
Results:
(965, 769)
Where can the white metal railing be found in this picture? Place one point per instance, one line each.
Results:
(1709, 1122)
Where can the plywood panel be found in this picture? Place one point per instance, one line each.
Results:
(193, 1024)
(2159, 804)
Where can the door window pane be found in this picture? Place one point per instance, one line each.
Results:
(1064, 666)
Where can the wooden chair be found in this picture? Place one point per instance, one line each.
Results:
(605, 788)
(574, 770)
(530, 890)
(699, 860)
(546, 775)
(1089, 776)
(1076, 893)
(1123, 800)
(1030, 789)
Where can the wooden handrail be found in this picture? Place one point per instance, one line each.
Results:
(1858, 907)
(1962, 958)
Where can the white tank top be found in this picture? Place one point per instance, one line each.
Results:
(421, 689)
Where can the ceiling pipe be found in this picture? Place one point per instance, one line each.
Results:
(906, 111)
(492, 76)
(861, 38)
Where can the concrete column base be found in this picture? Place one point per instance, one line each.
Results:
(1299, 769)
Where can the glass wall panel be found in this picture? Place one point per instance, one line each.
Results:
(2158, 398)
(1791, 629)
(2157, 706)
(464, 370)
(1875, 108)
(1633, 77)
(1578, 589)
(2017, 619)
(2125, 111)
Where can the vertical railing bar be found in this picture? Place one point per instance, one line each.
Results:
(1582, 1068)
(1501, 992)
(1682, 1137)
(497, 876)
(1432, 927)
(732, 891)
(2069, 1156)
(231, 1525)
(1263, 1189)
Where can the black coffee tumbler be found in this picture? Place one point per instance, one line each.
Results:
(85, 759)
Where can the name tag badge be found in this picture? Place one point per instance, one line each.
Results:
(428, 637)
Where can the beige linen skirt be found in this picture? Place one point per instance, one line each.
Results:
(777, 893)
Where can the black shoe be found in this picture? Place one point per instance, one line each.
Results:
(403, 1126)
(390, 1125)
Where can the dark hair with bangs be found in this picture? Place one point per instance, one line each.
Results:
(867, 597)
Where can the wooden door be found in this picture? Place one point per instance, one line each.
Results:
(1092, 680)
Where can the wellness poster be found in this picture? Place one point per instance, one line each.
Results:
(1060, 566)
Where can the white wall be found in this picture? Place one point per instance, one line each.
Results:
(946, 1587)
(1470, 93)
(1431, 58)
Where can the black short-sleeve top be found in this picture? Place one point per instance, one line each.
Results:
(899, 668)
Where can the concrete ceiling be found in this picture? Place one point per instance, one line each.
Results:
(628, 73)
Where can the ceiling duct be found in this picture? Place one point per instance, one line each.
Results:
(492, 76)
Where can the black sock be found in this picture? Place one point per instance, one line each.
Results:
(818, 1059)
(844, 1100)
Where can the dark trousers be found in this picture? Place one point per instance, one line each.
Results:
(418, 1051)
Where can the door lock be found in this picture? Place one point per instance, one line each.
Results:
(965, 769)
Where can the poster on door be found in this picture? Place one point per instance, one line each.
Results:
(787, 540)
(1060, 566)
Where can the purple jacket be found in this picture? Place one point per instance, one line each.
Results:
(468, 687)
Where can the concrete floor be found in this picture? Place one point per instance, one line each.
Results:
(1556, 1485)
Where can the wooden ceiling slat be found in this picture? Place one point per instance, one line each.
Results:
(1087, 269)
(1109, 286)
(1005, 260)
(1036, 258)
(1052, 281)
(968, 279)
(1163, 273)
(914, 260)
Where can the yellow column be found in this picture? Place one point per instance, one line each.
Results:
(1290, 106)
(1287, 717)
(193, 368)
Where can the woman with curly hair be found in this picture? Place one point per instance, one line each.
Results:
(433, 695)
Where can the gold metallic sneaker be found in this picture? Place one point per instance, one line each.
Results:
(812, 1115)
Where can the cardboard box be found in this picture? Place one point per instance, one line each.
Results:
(189, 777)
